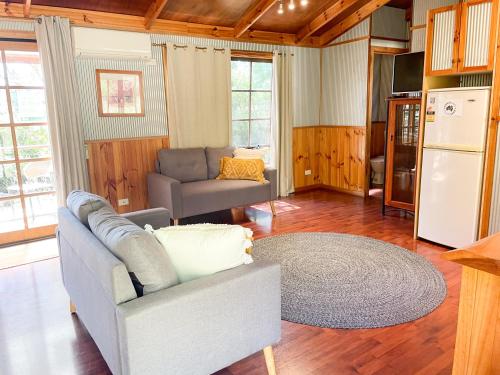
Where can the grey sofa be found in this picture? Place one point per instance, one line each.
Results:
(185, 183)
(197, 327)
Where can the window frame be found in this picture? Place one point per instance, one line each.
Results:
(250, 119)
(29, 231)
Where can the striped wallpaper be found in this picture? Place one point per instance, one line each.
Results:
(306, 86)
(154, 123)
(420, 8)
(418, 40)
(6, 24)
(344, 84)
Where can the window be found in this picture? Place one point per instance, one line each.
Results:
(251, 82)
(27, 186)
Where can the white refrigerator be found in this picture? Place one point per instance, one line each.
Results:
(452, 165)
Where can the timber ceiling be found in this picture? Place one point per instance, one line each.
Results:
(317, 24)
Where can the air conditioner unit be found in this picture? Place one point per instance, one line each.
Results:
(112, 44)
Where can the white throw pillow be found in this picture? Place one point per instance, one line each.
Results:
(250, 153)
(203, 249)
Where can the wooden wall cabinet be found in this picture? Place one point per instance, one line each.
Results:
(461, 38)
(401, 152)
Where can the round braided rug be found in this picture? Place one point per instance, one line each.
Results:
(344, 281)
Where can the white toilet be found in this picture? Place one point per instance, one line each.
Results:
(378, 167)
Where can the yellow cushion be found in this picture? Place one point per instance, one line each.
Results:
(241, 169)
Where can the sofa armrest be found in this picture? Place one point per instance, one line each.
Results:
(216, 320)
(271, 175)
(156, 217)
(164, 191)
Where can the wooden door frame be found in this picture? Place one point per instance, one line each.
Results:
(373, 50)
(429, 42)
(463, 36)
(27, 233)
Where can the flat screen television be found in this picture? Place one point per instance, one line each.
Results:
(408, 73)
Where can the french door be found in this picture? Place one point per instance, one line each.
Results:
(27, 184)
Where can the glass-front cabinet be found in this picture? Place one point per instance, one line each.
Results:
(401, 152)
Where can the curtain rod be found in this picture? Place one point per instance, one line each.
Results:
(202, 48)
(185, 46)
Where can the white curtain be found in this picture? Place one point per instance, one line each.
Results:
(283, 120)
(198, 96)
(53, 36)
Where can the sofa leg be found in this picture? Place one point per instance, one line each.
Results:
(72, 308)
(269, 356)
(176, 222)
(273, 209)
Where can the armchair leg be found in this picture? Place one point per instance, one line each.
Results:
(72, 308)
(269, 356)
(176, 222)
(273, 209)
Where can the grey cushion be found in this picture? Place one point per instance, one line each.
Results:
(213, 195)
(145, 259)
(213, 159)
(81, 204)
(185, 165)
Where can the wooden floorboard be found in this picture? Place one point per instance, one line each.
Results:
(39, 336)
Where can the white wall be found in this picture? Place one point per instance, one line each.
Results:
(306, 85)
(344, 84)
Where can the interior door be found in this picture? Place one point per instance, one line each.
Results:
(27, 185)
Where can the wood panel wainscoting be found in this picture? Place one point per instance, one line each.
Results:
(118, 168)
(335, 155)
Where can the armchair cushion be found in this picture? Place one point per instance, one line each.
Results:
(204, 249)
(81, 204)
(184, 165)
(148, 264)
(214, 156)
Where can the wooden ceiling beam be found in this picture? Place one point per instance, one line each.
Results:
(352, 20)
(326, 16)
(252, 15)
(27, 8)
(117, 21)
(154, 12)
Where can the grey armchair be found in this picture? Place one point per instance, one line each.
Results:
(185, 184)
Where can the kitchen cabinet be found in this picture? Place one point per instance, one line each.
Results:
(461, 38)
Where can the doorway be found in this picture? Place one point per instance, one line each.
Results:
(380, 88)
(27, 184)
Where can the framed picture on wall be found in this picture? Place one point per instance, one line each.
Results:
(119, 93)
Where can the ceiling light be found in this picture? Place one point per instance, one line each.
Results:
(304, 2)
(291, 5)
(280, 9)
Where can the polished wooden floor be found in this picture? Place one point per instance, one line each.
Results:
(39, 336)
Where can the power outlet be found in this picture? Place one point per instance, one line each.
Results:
(123, 202)
(307, 172)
